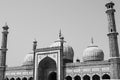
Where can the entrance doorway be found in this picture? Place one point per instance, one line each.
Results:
(46, 66)
(52, 76)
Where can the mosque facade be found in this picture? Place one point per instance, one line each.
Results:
(56, 61)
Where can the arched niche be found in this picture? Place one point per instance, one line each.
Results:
(12, 78)
(24, 78)
(105, 76)
(68, 78)
(18, 78)
(95, 77)
(45, 67)
(86, 77)
(77, 77)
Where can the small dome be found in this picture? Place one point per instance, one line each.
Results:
(28, 60)
(93, 53)
(68, 50)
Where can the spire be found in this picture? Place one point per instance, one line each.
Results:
(92, 40)
(92, 43)
(60, 35)
(34, 44)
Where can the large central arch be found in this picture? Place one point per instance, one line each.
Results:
(47, 69)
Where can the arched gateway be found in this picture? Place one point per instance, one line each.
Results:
(47, 69)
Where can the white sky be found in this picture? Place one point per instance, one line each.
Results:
(41, 19)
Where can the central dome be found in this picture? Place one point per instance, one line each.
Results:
(67, 51)
(93, 53)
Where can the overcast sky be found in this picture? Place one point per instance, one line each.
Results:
(79, 20)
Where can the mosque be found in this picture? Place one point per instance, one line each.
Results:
(56, 61)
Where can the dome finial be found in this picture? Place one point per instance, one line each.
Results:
(34, 44)
(5, 23)
(92, 40)
(60, 35)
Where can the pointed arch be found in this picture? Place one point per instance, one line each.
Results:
(45, 61)
(77, 77)
(24, 78)
(68, 78)
(95, 77)
(46, 66)
(86, 77)
(18, 78)
(105, 76)
(12, 79)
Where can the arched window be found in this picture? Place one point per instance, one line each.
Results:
(31, 78)
(68, 78)
(12, 79)
(86, 77)
(105, 76)
(18, 78)
(24, 78)
(77, 78)
(96, 77)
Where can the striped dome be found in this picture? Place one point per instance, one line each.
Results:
(68, 50)
(93, 53)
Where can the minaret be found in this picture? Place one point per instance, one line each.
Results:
(3, 52)
(61, 56)
(113, 43)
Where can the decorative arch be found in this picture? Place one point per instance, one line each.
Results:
(12, 78)
(68, 78)
(30, 78)
(105, 76)
(18, 78)
(95, 77)
(86, 77)
(24, 78)
(46, 66)
(77, 77)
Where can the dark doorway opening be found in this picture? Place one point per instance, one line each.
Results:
(52, 76)
(106, 76)
(68, 78)
(96, 77)
(77, 78)
(86, 77)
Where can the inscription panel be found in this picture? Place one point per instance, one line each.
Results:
(95, 69)
(104, 69)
